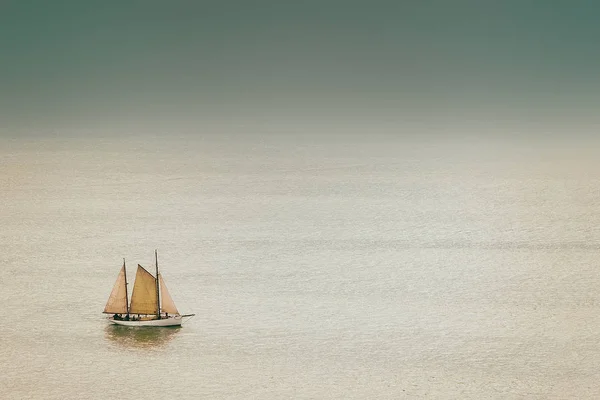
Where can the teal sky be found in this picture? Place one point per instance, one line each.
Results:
(106, 63)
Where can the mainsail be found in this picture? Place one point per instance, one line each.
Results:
(166, 302)
(117, 301)
(143, 298)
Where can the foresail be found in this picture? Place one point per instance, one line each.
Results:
(166, 302)
(143, 298)
(117, 301)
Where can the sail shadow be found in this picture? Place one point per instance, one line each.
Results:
(140, 337)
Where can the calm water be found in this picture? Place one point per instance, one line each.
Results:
(318, 267)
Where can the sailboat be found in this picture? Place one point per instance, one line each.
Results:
(151, 304)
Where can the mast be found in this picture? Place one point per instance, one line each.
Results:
(126, 296)
(157, 287)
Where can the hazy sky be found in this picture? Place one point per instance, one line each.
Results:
(105, 63)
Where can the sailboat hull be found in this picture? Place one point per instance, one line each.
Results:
(171, 321)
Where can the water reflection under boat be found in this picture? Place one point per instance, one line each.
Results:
(141, 337)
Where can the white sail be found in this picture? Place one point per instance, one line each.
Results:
(143, 298)
(166, 302)
(117, 301)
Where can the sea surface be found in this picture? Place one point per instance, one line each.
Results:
(318, 266)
